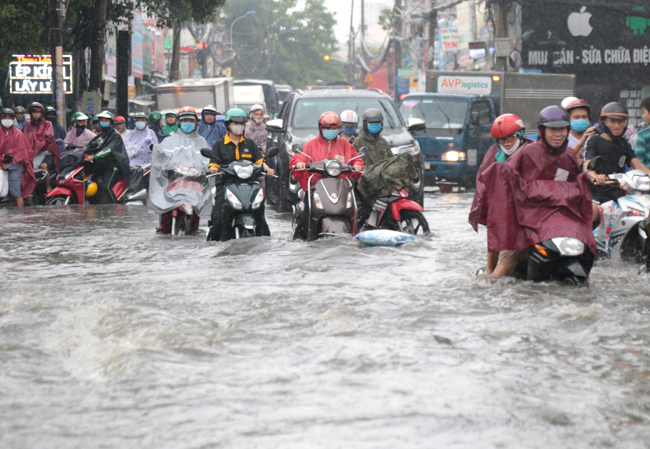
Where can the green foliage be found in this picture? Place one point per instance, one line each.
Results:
(267, 49)
(386, 19)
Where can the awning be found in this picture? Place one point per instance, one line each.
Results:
(141, 102)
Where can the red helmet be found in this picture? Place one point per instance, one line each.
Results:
(35, 105)
(577, 103)
(119, 119)
(329, 120)
(506, 124)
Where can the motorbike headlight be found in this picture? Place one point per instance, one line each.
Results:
(569, 246)
(259, 199)
(348, 204)
(453, 156)
(233, 200)
(333, 168)
(317, 202)
(244, 171)
(413, 149)
(643, 183)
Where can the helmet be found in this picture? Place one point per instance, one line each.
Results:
(349, 118)
(567, 101)
(258, 107)
(373, 116)
(120, 119)
(209, 109)
(79, 116)
(329, 120)
(554, 117)
(153, 117)
(614, 110)
(187, 112)
(106, 114)
(7, 111)
(139, 115)
(506, 124)
(235, 115)
(50, 110)
(95, 118)
(91, 187)
(577, 103)
(35, 105)
(171, 113)
(19, 110)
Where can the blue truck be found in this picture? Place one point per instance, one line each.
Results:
(458, 109)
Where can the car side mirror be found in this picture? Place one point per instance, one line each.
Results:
(597, 164)
(416, 124)
(272, 152)
(275, 126)
(206, 153)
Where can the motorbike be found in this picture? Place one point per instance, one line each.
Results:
(183, 220)
(331, 200)
(244, 197)
(397, 213)
(625, 223)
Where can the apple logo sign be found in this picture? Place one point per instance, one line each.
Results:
(578, 23)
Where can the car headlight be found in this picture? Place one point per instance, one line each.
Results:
(233, 200)
(413, 149)
(453, 156)
(317, 202)
(569, 246)
(244, 171)
(259, 199)
(643, 183)
(333, 168)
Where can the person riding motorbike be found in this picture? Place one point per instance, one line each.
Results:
(166, 193)
(40, 135)
(233, 147)
(20, 117)
(171, 126)
(350, 121)
(59, 132)
(79, 135)
(537, 193)
(211, 130)
(616, 152)
(106, 156)
(140, 141)
(508, 133)
(377, 148)
(154, 124)
(581, 129)
(255, 128)
(326, 146)
(120, 127)
(15, 157)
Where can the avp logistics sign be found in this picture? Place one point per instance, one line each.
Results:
(479, 85)
(32, 74)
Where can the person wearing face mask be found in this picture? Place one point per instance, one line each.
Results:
(211, 130)
(20, 117)
(377, 148)
(79, 135)
(350, 121)
(106, 157)
(581, 129)
(140, 141)
(508, 132)
(171, 126)
(255, 128)
(154, 124)
(15, 157)
(40, 135)
(120, 127)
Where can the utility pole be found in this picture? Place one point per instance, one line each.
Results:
(363, 30)
(397, 12)
(501, 29)
(56, 55)
(175, 69)
(350, 66)
(123, 60)
(433, 24)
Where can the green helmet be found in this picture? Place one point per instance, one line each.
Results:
(236, 115)
(79, 116)
(106, 114)
(171, 113)
(154, 116)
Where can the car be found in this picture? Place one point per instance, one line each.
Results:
(297, 123)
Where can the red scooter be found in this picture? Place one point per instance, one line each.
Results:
(398, 213)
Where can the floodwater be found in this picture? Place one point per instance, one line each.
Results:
(113, 337)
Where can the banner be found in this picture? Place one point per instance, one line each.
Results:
(32, 74)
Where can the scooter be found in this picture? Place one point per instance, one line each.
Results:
(625, 223)
(183, 220)
(244, 203)
(398, 213)
(331, 200)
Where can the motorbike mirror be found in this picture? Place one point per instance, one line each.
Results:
(298, 150)
(206, 152)
(597, 164)
(359, 156)
(272, 152)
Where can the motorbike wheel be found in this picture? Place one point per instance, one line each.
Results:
(245, 233)
(178, 225)
(57, 200)
(632, 246)
(412, 221)
(188, 225)
(576, 281)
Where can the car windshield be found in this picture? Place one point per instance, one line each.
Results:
(438, 113)
(308, 111)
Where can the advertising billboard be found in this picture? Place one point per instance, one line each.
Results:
(32, 74)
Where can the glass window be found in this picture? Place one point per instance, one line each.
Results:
(308, 111)
(438, 113)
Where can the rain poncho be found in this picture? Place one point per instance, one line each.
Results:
(171, 129)
(160, 134)
(14, 142)
(138, 146)
(257, 133)
(20, 124)
(178, 173)
(79, 141)
(377, 148)
(41, 138)
(109, 140)
(212, 132)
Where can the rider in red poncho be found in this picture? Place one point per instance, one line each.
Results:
(40, 135)
(15, 156)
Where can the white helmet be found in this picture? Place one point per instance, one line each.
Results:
(349, 118)
(257, 107)
(567, 101)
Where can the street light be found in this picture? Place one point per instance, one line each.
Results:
(249, 13)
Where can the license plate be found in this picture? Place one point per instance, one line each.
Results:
(427, 165)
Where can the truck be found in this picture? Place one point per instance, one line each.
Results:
(248, 96)
(458, 109)
(270, 94)
(196, 93)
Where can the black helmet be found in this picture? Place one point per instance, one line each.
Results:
(19, 110)
(614, 110)
(373, 116)
(50, 111)
(554, 117)
(8, 111)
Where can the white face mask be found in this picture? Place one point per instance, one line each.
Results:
(237, 129)
(513, 149)
(7, 123)
(258, 120)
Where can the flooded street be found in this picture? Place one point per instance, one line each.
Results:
(114, 337)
